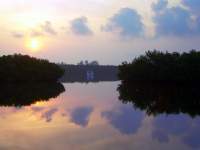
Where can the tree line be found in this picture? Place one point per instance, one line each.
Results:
(163, 66)
(162, 82)
(23, 68)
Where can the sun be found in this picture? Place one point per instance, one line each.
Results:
(34, 45)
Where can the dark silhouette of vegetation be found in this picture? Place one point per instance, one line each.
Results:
(78, 73)
(157, 98)
(159, 82)
(20, 68)
(86, 62)
(163, 66)
(28, 93)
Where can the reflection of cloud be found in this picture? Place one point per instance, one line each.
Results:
(193, 138)
(160, 136)
(172, 124)
(10, 147)
(37, 109)
(125, 119)
(47, 27)
(79, 26)
(48, 114)
(81, 115)
(180, 125)
(127, 22)
(6, 111)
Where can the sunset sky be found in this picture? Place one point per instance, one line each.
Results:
(109, 31)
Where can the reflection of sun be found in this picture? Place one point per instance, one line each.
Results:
(34, 45)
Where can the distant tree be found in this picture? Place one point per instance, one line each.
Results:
(18, 68)
(86, 62)
(94, 63)
(80, 63)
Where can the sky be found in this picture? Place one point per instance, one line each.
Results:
(109, 31)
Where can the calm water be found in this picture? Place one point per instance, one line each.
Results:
(90, 117)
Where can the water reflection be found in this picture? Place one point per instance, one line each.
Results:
(26, 94)
(182, 126)
(48, 115)
(90, 116)
(80, 115)
(161, 98)
(124, 119)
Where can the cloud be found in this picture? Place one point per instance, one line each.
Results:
(194, 5)
(17, 35)
(43, 30)
(160, 5)
(126, 120)
(48, 28)
(35, 33)
(127, 22)
(80, 116)
(175, 21)
(79, 26)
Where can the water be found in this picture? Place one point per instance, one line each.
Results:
(91, 117)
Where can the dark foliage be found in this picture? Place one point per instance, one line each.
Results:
(158, 98)
(160, 82)
(78, 73)
(23, 68)
(159, 66)
(26, 94)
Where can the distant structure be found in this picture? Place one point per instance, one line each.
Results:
(88, 72)
(89, 75)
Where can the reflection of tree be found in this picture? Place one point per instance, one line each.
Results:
(26, 94)
(161, 98)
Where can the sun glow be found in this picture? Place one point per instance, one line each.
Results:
(34, 45)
